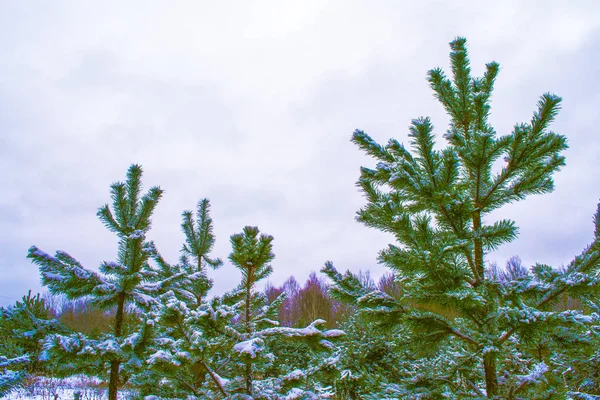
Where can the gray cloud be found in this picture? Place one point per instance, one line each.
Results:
(253, 106)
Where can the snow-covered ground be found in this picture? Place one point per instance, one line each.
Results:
(40, 388)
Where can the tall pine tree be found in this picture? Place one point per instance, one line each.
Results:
(465, 325)
(128, 282)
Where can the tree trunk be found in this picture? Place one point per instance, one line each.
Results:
(489, 359)
(491, 378)
(248, 369)
(113, 384)
(215, 379)
(248, 374)
(478, 248)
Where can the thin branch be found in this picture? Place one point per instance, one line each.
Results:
(475, 388)
(215, 379)
(463, 337)
(187, 384)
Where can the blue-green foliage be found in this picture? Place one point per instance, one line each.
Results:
(465, 331)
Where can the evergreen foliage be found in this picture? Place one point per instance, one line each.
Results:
(128, 282)
(258, 331)
(251, 255)
(473, 333)
(185, 324)
(11, 380)
(23, 327)
(446, 323)
(228, 346)
(180, 343)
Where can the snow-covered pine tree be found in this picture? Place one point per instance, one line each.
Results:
(202, 346)
(24, 326)
(186, 338)
(369, 359)
(251, 254)
(194, 260)
(461, 321)
(11, 380)
(257, 326)
(129, 282)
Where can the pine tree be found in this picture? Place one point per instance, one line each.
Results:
(182, 354)
(128, 282)
(11, 380)
(467, 327)
(227, 346)
(257, 330)
(24, 326)
(251, 254)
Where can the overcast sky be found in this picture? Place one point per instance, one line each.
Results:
(252, 104)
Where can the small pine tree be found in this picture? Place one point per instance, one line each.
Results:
(129, 282)
(258, 329)
(435, 203)
(23, 328)
(221, 347)
(25, 325)
(251, 254)
(182, 354)
(11, 380)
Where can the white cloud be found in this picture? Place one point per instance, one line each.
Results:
(253, 104)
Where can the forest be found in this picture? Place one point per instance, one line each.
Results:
(442, 323)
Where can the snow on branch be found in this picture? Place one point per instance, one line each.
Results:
(64, 274)
(310, 331)
(251, 347)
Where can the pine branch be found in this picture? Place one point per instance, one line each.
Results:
(105, 215)
(215, 379)
(146, 209)
(583, 263)
(64, 274)
(118, 193)
(133, 186)
(462, 79)
(371, 147)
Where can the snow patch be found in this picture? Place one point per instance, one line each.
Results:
(250, 347)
